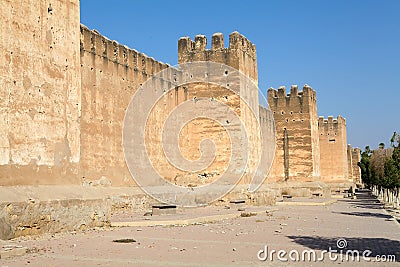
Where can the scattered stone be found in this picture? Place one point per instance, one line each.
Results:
(248, 214)
(162, 209)
(148, 213)
(125, 240)
(237, 201)
(11, 252)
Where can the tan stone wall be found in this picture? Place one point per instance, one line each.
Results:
(333, 144)
(64, 91)
(111, 74)
(297, 113)
(191, 135)
(39, 92)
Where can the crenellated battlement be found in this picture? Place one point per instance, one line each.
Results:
(236, 41)
(93, 42)
(294, 92)
(331, 123)
(281, 99)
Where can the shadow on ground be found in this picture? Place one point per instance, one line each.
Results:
(378, 246)
(366, 214)
(365, 200)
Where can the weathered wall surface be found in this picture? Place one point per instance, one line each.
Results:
(64, 91)
(240, 55)
(297, 149)
(111, 74)
(192, 134)
(333, 143)
(39, 92)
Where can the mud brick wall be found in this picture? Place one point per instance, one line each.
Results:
(40, 94)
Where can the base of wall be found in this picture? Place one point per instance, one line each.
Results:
(302, 189)
(34, 210)
(340, 187)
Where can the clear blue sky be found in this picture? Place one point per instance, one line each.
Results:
(347, 50)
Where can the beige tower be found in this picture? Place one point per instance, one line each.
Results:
(240, 55)
(334, 152)
(297, 152)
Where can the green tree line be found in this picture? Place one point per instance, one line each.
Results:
(380, 168)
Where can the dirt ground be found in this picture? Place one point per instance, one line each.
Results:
(361, 224)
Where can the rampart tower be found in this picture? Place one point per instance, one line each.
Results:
(334, 152)
(240, 55)
(297, 156)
